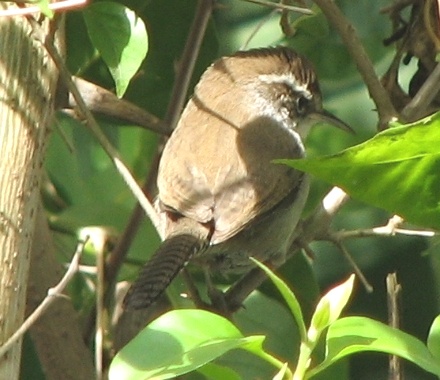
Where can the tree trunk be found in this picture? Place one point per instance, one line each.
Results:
(56, 335)
(27, 88)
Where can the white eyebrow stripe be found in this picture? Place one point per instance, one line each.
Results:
(288, 79)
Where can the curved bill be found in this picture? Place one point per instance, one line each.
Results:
(327, 117)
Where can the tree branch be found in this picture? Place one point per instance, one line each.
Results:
(100, 100)
(354, 45)
(57, 333)
(52, 295)
(424, 97)
(188, 61)
(100, 136)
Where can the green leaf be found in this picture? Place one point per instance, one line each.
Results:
(397, 170)
(212, 371)
(351, 335)
(178, 342)
(329, 308)
(434, 338)
(120, 37)
(44, 7)
(288, 296)
(281, 373)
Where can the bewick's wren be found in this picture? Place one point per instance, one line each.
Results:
(221, 198)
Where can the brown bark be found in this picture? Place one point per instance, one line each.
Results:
(56, 335)
(27, 85)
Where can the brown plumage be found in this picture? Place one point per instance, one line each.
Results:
(220, 196)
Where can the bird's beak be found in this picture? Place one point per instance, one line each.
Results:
(327, 117)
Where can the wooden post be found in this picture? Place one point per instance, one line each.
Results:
(27, 89)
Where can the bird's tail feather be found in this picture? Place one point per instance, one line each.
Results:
(161, 269)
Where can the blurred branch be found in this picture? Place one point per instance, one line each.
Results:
(188, 61)
(59, 6)
(281, 6)
(175, 106)
(52, 295)
(390, 229)
(353, 264)
(353, 43)
(424, 97)
(317, 227)
(100, 100)
(100, 240)
(394, 290)
(317, 224)
(178, 97)
(100, 136)
(257, 29)
(56, 335)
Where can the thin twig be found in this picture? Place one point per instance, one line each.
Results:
(354, 265)
(112, 153)
(105, 102)
(188, 61)
(60, 6)
(424, 97)
(178, 97)
(354, 45)
(390, 229)
(99, 238)
(175, 106)
(257, 28)
(393, 295)
(52, 295)
(318, 223)
(281, 6)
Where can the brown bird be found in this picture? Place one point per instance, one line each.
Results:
(221, 198)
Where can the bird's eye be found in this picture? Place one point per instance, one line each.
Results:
(302, 105)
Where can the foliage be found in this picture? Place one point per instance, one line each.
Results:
(184, 340)
(134, 47)
(120, 37)
(404, 158)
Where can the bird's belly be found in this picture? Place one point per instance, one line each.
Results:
(267, 237)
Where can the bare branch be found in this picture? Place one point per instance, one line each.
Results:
(281, 6)
(354, 265)
(188, 61)
(390, 229)
(424, 97)
(103, 101)
(319, 222)
(353, 43)
(59, 6)
(100, 136)
(394, 290)
(52, 295)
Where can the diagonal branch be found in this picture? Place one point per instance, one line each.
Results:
(52, 295)
(112, 153)
(354, 45)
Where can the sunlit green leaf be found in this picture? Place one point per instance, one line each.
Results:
(121, 38)
(288, 296)
(178, 342)
(280, 375)
(433, 342)
(212, 371)
(329, 308)
(352, 335)
(397, 170)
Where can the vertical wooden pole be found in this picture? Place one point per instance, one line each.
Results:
(27, 88)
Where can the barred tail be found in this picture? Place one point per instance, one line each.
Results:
(161, 269)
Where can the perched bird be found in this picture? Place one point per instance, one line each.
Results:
(221, 198)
